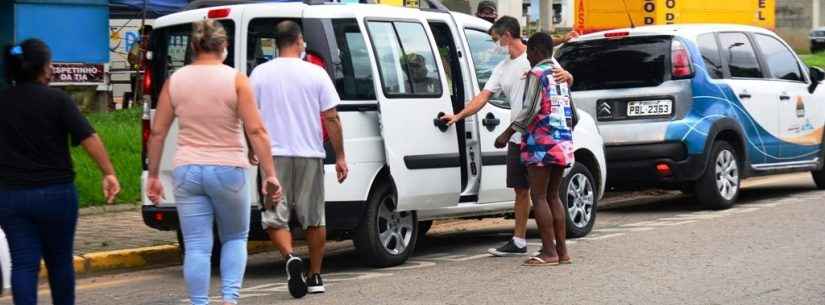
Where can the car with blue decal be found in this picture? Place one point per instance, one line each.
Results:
(699, 107)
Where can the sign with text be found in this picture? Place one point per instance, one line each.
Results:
(77, 73)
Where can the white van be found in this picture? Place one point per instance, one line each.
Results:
(406, 167)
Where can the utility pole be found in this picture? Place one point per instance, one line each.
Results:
(546, 16)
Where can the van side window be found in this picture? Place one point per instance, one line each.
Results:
(485, 60)
(261, 43)
(781, 62)
(353, 77)
(738, 50)
(710, 54)
(408, 66)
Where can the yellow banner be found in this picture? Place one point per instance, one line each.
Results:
(599, 15)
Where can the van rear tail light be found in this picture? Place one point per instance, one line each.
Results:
(317, 60)
(664, 169)
(147, 80)
(616, 35)
(218, 13)
(680, 61)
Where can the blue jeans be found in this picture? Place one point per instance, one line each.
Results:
(204, 193)
(40, 223)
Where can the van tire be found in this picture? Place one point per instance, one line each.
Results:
(216, 247)
(708, 189)
(382, 217)
(576, 225)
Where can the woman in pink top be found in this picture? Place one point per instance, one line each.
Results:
(214, 105)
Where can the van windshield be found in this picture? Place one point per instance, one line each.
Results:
(619, 63)
(171, 50)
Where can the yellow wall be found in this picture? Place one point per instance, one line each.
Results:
(598, 15)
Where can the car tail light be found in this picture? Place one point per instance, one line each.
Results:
(218, 13)
(680, 61)
(615, 35)
(158, 216)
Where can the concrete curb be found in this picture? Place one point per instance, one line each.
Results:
(139, 258)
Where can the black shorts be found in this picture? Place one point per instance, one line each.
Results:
(516, 170)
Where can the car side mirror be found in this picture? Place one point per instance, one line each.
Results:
(817, 75)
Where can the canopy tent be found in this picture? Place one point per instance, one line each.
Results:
(154, 8)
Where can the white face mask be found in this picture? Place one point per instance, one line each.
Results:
(225, 54)
(304, 51)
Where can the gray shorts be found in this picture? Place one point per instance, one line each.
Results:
(302, 182)
(516, 170)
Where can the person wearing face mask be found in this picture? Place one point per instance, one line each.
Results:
(508, 78)
(487, 10)
(38, 198)
(215, 107)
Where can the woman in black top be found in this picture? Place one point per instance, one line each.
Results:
(38, 199)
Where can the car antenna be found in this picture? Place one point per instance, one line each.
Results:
(629, 18)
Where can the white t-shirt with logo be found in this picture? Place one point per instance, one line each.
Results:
(508, 78)
(291, 95)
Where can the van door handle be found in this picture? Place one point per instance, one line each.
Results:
(784, 98)
(744, 95)
(439, 123)
(490, 121)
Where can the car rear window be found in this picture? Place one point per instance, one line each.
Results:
(617, 63)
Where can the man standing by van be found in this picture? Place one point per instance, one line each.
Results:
(509, 78)
(290, 106)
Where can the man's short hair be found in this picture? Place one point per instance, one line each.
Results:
(507, 24)
(288, 33)
(541, 43)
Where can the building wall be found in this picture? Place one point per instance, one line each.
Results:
(794, 20)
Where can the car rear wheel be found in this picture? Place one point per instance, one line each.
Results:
(385, 236)
(718, 188)
(580, 200)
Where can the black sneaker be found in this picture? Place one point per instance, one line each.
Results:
(295, 277)
(508, 249)
(315, 284)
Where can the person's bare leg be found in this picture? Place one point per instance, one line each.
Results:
(539, 178)
(316, 238)
(558, 211)
(282, 240)
(522, 212)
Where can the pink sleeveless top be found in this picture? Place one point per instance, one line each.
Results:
(205, 103)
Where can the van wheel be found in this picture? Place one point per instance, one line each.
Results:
(216, 247)
(718, 187)
(386, 237)
(580, 200)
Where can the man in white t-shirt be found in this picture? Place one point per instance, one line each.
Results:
(291, 94)
(509, 78)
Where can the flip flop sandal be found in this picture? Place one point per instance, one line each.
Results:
(565, 261)
(540, 263)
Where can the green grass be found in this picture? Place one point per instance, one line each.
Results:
(120, 131)
(814, 60)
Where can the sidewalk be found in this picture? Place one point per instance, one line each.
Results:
(116, 228)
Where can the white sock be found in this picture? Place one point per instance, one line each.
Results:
(520, 242)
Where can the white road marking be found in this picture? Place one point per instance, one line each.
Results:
(602, 236)
(622, 230)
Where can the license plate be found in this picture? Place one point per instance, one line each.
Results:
(649, 108)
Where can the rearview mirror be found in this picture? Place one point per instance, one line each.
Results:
(817, 75)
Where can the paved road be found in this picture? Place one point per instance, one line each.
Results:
(769, 249)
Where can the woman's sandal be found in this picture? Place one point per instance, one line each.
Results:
(536, 261)
(565, 261)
